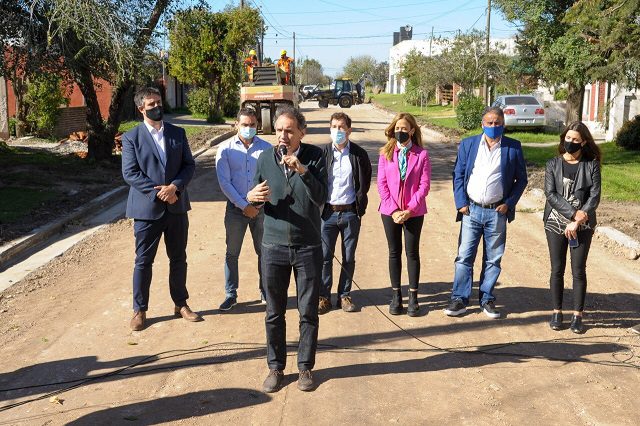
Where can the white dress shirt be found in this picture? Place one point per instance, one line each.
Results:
(485, 182)
(341, 191)
(158, 138)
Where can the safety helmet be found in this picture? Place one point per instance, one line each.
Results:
(283, 52)
(252, 52)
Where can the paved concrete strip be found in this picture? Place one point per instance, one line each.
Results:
(38, 235)
(619, 237)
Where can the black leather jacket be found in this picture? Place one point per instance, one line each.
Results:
(586, 189)
(361, 171)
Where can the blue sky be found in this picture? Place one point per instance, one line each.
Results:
(331, 31)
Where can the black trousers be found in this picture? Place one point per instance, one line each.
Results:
(277, 263)
(412, 228)
(558, 245)
(175, 228)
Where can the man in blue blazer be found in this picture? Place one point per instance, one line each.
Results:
(489, 178)
(158, 165)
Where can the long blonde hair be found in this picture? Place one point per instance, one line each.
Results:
(387, 149)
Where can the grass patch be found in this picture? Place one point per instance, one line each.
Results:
(22, 156)
(22, 201)
(397, 103)
(620, 169)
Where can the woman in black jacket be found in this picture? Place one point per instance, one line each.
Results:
(572, 188)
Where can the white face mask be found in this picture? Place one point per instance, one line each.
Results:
(338, 136)
(247, 132)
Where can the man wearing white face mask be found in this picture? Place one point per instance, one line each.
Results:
(236, 161)
(349, 172)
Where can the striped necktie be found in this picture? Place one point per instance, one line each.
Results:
(402, 162)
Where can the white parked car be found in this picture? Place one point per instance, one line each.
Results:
(521, 111)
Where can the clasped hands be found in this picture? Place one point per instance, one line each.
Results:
(400, 216)
(167, 193)
(571, 231)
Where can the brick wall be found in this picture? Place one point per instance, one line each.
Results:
(72, 119)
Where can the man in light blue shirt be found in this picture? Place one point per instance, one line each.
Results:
(235, 166)
(349, 172)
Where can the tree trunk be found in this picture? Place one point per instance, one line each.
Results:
(100, 146)
(575, 101)
(22, 109)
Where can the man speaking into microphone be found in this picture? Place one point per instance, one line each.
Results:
(291, 186)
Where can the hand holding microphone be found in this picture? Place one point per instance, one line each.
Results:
(290, 161)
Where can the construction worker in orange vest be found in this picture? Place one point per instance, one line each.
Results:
(250, 63)
(284, 65)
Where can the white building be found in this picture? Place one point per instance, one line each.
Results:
(400, 51)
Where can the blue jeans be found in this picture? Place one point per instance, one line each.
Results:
(235, 224)
(278, 262)
(492, 227)
(347, 224)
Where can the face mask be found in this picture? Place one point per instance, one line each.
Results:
(338, 136)
(247, 132)
(154, 114)
(571, 147)
(493, 132)
(401, 137)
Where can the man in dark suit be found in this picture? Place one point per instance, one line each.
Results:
(158, 165)
(489, 178)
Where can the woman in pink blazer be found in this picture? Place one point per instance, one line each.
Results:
(404, 177)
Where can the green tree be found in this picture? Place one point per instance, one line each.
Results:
(357, 66)
(206, 50)
(309, 71)
(422, 75)
(106, 40)
(547, 45)
(380, 75)
(45, 96)
(612, 30)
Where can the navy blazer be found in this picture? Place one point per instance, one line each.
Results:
(142, 169)
(512, 167)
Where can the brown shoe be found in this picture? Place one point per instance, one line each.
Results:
(137, 322)
(324, 305)
(347, 305)
(305, 381)
(273, 382)
(186, 313)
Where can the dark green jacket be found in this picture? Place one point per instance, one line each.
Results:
(292, 216)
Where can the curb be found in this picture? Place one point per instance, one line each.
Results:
(106, 200)
(17, 247)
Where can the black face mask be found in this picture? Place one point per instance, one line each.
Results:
(401, 137)
(154, 114)
(571, 147)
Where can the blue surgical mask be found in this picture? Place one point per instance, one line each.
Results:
(338, 136)
(493, 132)
(247, 132)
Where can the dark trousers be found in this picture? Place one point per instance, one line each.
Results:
(347, 225)
(558, 245)
(277, 263)
(175, 228)
(412, 228)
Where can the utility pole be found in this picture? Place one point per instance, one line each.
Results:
(241, 3)
(430, 41)
(293, 74)
(486, 71)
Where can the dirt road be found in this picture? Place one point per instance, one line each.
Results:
(66, 326)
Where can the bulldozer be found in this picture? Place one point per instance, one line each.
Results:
(265, 94)
(342, 92)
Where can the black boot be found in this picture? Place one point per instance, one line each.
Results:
(413, 309)
(395, 307)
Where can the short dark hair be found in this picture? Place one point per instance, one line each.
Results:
(291, 112)
(247, 112)
(341, 116)
(144, 93)
(493, 110)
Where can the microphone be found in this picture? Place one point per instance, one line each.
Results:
(282, 150)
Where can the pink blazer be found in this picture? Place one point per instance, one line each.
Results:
(410, 196)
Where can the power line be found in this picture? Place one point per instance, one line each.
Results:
(395, 6)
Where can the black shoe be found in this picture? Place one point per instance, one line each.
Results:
(455, 308)
(556, 321)
(273, 381)
(395, 307)
(490, 310)
(305, 381)
(413, 309)
(228, 303)
(576, 324)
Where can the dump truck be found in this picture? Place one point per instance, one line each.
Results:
(265, 94)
